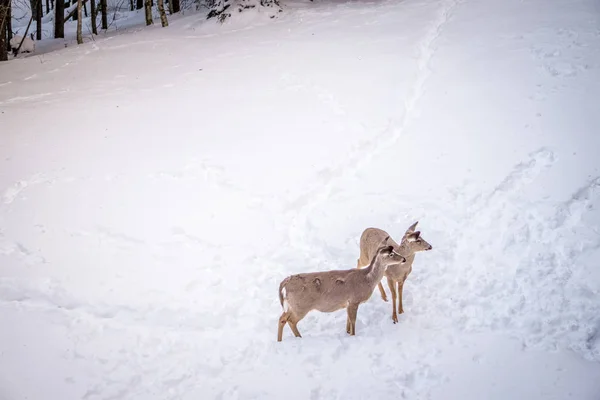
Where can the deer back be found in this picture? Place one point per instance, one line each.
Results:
(327, 291)
(370, 241)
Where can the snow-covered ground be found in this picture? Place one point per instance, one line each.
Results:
(156, 186)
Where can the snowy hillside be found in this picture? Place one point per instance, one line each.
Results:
(156, 186)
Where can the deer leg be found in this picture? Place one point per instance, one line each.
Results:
(288, 318)
(294, 318)
(294, 328)
(352, 311)
(400, 287)
(382, 291)
(282, 321)
(348, 325)
(392, 286)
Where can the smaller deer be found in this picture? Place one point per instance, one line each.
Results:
(330, 291)
(411, 243)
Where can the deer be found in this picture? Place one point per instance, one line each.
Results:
(330, 291)
(396, 275)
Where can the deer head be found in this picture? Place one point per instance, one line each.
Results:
(388, 255)
(414, 241)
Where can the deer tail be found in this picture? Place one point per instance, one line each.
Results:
(282, 291)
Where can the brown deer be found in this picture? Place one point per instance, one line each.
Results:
(329, 291)
(411, 243)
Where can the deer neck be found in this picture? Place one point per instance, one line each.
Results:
(375, 271)
(405, 251)
(409, 259)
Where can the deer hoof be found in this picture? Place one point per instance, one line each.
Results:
(395, 319)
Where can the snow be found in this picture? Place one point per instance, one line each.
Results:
(156, 185)
(27, 46)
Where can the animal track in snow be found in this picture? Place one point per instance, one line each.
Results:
(566, 45)
(363, 155)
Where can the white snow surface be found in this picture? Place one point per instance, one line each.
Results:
(28, 44)
(157, 185)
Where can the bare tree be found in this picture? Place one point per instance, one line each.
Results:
(75, 13)
(79, 16)
(176, 6)
(148, 9)
(8, 25)
(47, 7)
(163, 16)
(170, 5)
(104, 14)
(33, 8)
(4, 16)
(94, 15)
(59, 19)
(139, 4)
(131, 5)
(39, 11)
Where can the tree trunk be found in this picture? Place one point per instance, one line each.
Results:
(104, 14)
(170, 5)
(52, 4)
(148, 9)
(4, 16)
(33, 8)
(131, 5)
(94, 15)
(176, 6)
(85, 9)
(79, 37)
(139, 4)
(8, 25)
(47, 7)
(151, 3)
(38, 19)
(59, 19)
(163, 16)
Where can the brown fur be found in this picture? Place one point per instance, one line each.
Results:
(396, 275)
(330, 291)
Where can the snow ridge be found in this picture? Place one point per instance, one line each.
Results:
(523, 268)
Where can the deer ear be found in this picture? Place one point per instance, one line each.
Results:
(412, 228)
(384, 241)
(411, 237)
